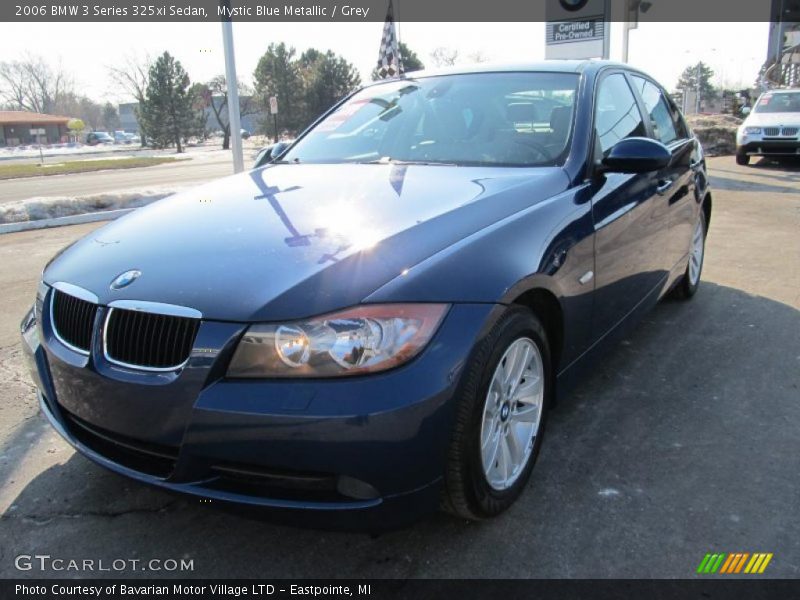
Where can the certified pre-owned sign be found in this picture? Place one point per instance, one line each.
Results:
(577, 29)
(580, 30)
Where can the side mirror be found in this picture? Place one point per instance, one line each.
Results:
(269, 153)
(277, 149)
(262, 158)
(636, 155)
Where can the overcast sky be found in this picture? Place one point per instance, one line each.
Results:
(734, 50)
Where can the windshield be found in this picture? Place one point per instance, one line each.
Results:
(512, 119)
(778, 103)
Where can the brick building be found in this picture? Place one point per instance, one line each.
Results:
(16, 125)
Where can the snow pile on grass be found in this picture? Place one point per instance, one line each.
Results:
(32, 151)
(717, 133)
(35, 209)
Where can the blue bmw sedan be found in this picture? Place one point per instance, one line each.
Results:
(375, 323)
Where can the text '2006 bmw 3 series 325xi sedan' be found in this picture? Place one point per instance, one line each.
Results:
(375, 323)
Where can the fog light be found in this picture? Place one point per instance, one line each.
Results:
(355, 488)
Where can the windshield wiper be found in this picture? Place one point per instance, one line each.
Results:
(394, 161)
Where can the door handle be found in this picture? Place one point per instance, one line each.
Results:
(664, 185)
(695, 164)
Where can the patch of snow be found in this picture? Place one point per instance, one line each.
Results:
(608, 492)
(32, 151)
(35, 209)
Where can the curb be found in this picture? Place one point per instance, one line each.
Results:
(67, 155)
(105, 215)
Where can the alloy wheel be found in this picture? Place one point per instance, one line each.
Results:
(696, 254)
(512, 413)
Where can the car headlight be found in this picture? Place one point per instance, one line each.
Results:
(363, 339)
(752, 130)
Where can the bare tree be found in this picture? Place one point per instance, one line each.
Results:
(33, 85)
(444, 57)
(248, 104)
(479, 56)
(132, 77)
(86, 109)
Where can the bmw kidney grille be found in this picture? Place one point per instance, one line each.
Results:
(131, 338)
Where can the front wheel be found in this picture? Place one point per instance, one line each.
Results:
(742, 159)
(500, 418)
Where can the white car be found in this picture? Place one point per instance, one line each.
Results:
(771, 128)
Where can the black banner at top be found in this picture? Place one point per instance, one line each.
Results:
(145, 11)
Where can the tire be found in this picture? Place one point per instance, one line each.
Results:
(690, 280)
(468, 491)
(742, 159)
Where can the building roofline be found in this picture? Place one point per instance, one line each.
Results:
(22, 117)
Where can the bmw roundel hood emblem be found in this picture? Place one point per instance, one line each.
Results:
(125, 279)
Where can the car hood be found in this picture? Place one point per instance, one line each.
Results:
(772, 119)
(290, 241)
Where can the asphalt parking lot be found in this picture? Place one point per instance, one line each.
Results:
(683, 441)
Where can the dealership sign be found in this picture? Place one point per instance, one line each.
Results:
(564, 32)
(576, 28)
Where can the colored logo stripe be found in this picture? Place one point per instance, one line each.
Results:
(758, 563)
(710, 563)
(734, 563)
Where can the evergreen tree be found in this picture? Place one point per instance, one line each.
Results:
(278, 74)
(327, 78)
(688, 80)
(306, 86)
(168, 112)
(411, 62)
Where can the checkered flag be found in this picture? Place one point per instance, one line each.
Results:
(390, 63)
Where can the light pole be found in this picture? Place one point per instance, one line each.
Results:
(232, 85)
(697, 91)
(633, 8)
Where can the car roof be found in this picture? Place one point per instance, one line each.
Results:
(545, 66)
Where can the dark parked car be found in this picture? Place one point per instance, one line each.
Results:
(375, 323)
(99, 137)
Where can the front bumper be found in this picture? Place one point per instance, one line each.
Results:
(769, 147)
(364, 451)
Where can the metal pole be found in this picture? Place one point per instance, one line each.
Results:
(697, 92)
(626, 32)
(606, 29)
(233, 93)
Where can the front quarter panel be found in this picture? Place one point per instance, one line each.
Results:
(548, 245)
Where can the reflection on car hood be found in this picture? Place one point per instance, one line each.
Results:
(289, 241)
